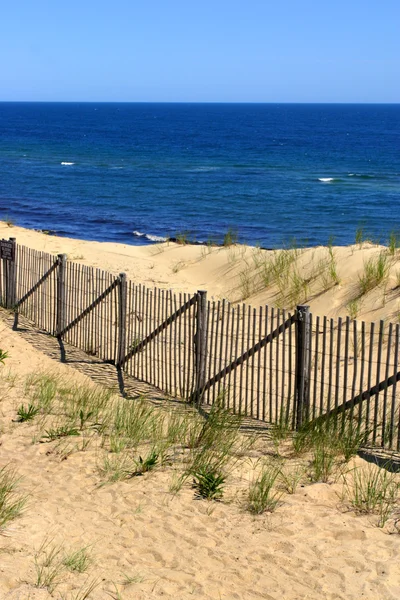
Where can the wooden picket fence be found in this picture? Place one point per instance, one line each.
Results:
(264, 363)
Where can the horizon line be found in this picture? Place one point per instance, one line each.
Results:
(188, 102)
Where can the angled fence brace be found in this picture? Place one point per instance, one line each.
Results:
(37, 285)
(18, 303)
(245, 356)
(143, 343)
(367, 394)
(89, 308)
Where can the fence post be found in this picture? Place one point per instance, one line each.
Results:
(303, 336)
(11, 276)
(122, 304)
(60, 298)
(200, 344)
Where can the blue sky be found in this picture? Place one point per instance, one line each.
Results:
(208, 51)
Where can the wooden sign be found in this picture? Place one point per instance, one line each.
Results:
(7, 250)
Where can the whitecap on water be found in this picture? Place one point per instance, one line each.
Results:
(150, 237)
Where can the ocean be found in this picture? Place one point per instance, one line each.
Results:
(137, 173)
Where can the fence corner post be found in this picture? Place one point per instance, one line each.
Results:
(122, 311)
(11, 276)
(200, 345)
(303, 337)
(60, 298)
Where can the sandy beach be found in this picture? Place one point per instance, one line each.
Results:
(143, 539)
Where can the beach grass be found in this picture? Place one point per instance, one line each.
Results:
(372, 490)
(376, 271)
(12, 500)
(27, 413)
(78, 560)
(208, 482)
(49, 566)
(263, 495)
(290, 477)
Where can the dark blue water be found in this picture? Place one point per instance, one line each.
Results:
(272, 172)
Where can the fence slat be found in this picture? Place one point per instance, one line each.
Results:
(236, 353)
(378, 372)
(361, 388)
(393, 408)
(231, 354)
(346, 363)
(385, 394)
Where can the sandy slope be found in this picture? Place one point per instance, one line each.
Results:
(175, 546)
(236, 273)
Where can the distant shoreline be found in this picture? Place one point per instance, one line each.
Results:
(183, 239)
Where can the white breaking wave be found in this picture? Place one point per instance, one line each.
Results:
(148, 236)
(67, 164)
(155, 238)
(203, 169)
(326, 179)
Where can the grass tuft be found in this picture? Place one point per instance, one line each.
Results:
(354, 308)
(144, 465)
(49, 565)
(230, 237)
(182, 238)
(360, 236)
(12, 502)
(372, 490)
(42, 389)
(177, 266)
(27, 413)
(376, 271)
(394, 243)
(116, 467)
(246, 286)
(332, 265)
(290, 478)
(329, 441)
(78, 560)
(60, 432)
(262, 496)
(133, 422)
(208, 483)
(324, 459)
(3, 356)
(132, 579)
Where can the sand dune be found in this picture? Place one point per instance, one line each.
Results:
(177, 546)
(326, 279)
